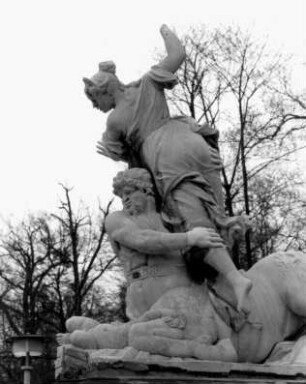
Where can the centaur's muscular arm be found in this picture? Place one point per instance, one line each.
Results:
(125, 232)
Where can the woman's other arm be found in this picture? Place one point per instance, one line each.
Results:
(175, 50)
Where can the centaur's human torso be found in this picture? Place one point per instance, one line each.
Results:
(149, 276)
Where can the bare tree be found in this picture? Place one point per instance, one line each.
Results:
(50, 269)
(236, 84)
(82, 246)
(26, 265)
(50, 264)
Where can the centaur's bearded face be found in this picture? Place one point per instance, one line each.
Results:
(134, 200)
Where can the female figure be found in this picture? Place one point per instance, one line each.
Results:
(182, 156)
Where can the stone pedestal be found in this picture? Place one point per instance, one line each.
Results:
(131, 367)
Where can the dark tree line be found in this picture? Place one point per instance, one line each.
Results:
(51, 267)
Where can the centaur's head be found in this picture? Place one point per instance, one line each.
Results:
(135, 188)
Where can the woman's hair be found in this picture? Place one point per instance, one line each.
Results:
(138, 178)
(104, 81)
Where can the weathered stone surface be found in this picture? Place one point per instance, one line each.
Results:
(181, 324)
(71, 362)
(96, 364)
(289, 353)
(175, 378)
(186, 322)
(146, 361)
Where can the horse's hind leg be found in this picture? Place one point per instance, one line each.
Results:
(288, 270)
(295, 292)
(296, 300)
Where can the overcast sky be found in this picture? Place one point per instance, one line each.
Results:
(48, 129)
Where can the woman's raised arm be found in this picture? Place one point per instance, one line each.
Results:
(175, 50)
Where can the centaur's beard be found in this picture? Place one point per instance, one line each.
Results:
(133, 210)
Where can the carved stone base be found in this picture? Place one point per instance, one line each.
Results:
(71, 362)
(286, 364)
(121, 377)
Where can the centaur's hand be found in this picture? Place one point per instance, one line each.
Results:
(204, 238)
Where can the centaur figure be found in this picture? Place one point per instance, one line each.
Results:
(172, 316)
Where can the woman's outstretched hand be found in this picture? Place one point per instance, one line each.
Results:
(175, 50)
(101, 149)
(164, 29)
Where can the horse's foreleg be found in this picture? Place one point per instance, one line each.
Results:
(223, 351)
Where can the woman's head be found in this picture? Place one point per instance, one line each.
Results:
(101, 87)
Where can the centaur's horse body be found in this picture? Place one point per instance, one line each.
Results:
(277, 310)
(278, 304)
(190, 321)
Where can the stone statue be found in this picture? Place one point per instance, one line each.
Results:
(172, 316)
(173, 223)
(152, 257)
(212, 331)
(182, 157)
